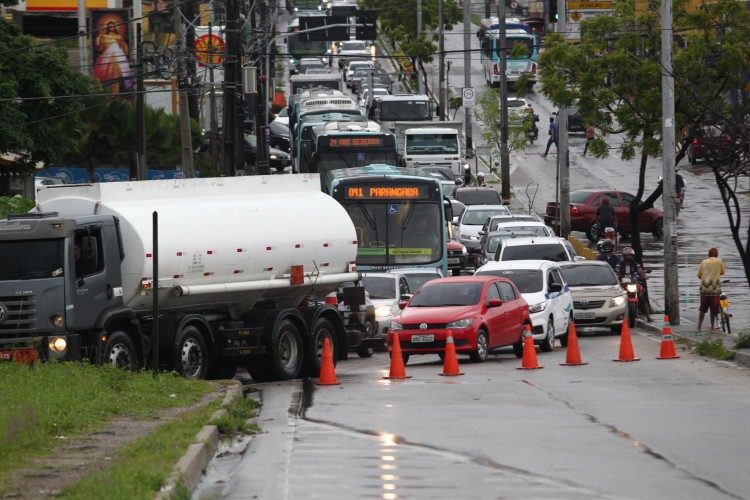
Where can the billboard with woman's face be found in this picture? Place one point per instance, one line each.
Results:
(110, 42)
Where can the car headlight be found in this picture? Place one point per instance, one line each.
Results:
(537, 307)
(472, 237)
(464, 251)
(461, 323)
(384, 311)
(395, 325)
(274, 157)
(617, 301)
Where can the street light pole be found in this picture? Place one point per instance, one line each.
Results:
(441, 50)
(504, 153)
(562, 145)
(467, 73)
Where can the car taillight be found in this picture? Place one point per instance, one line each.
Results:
(574, 210)
(695, 141)
(533, 69)
(495, 70)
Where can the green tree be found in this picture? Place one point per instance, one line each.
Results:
(39, 113)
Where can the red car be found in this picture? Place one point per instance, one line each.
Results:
(481, 312)
(583, 205)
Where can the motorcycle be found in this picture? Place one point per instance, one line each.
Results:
(533, 129)
(632, 289)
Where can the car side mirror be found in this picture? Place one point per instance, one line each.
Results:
(579, 257)
(555, 287)
(494, 303)
(406, 297)
(402, 305)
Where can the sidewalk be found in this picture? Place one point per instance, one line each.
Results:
(686, 332)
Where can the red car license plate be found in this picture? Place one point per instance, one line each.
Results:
(422, 338)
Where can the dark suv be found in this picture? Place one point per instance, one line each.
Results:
(477, 196)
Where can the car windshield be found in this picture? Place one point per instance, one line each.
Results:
(447, 294)
(380, 287)
(478, 217)
(516, 103)
(538, 230)
(526, 280)
(554, 253)
(416, 280)
(353, 46)
(587, 275)
(483, 197)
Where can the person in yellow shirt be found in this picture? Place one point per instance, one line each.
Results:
(710, 272)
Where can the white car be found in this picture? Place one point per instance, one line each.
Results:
(471, 221)
(417, 276)
(598, 298)
(537, 248)
(550, 300)
(376, 92)
(540, 228)
(356, 65)
(352, 49)
(386, 291)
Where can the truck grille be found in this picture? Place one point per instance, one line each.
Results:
(18, 314)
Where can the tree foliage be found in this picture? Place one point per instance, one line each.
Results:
(39, 115)
(614, 76)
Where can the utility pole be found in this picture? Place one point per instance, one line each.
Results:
(441, 50)
(504, 154)
(233, 140)
(467, 71)
(140, 109)
(562, 145)
(188, 169)
(82, 34)
(671, 278)
(262, 134)
(191, 16)
(214, 120)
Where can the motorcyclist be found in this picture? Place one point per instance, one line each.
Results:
(631, 268)
(480, 180)
(606, 249)
(679, 186)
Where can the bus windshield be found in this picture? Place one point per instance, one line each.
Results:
(432, 143)
(331, 159)
(396, 233)
(405, 111)
(25, 260)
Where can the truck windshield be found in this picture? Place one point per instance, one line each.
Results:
(393, 233)
(25, 260)
(405, 111)
(432, 143)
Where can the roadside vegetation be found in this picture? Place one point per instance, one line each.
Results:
(14, 205)
(42, 406)
(714, 349)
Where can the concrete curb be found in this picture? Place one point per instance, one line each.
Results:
(741, 356)
(191, 466)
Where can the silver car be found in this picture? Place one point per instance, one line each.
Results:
(598, 298)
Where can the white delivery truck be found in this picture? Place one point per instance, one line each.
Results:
(238, 260)
(440, 144)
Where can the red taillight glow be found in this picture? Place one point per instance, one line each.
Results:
(495, 70)
(574, 210)
(533, 69)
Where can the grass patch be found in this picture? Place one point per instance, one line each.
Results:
(235, 420)
(714, 349)
(141, 469)
(743, 342)
(41, 402)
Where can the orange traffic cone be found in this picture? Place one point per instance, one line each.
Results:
(450, 364)
(529, 361)
(626, 345)
(667, 343)
(573, 355)
(327, 373)
(331, 299)
(398, 371)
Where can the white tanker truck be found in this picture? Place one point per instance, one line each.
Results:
(238, 260)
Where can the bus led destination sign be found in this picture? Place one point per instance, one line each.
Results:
(355, 142)
(390, 192)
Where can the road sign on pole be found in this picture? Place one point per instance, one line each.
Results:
(468, 97)
(483, 150)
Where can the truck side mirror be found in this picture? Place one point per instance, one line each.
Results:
(89, 254)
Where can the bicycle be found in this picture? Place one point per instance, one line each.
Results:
(724, 314)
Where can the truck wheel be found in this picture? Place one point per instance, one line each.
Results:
(120, 351)
(191, 358)
(286, 351)
(225, 370)
(314, 352)
(365, 351)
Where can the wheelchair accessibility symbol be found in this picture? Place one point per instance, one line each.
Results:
(392, 209)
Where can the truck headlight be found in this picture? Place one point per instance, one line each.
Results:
(617, 301)
(57, 344)
(461, 323)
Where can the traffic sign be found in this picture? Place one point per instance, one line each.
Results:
(468, 97)
(483, 150)
(590, 5)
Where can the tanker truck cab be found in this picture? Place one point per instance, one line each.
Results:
(437, 146)
(226, 295)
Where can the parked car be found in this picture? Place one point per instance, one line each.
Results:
(386, 291)
(598, 298)
(711, 143)
(543, 287)
(489, 243)
(483, 313)
(583, 205)
(469, 195)
(458, 257)
(418, 276)
(472, 220)
(536, 248)
(278, 160)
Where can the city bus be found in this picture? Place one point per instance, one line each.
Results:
(342, 145)
(515, 67)
(400, 215)
(299, 45)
